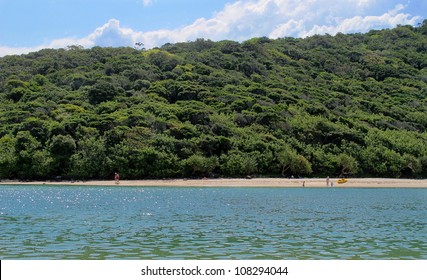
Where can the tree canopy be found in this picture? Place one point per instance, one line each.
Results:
(344, 105)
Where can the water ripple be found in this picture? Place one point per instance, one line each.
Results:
(40, 222)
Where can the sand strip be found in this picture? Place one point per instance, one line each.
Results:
(256, 182)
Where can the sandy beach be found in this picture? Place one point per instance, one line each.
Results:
(255, 182)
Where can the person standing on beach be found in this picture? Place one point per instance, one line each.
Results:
(117, 178)
(327, 181)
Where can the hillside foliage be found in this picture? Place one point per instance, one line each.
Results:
(344, 105)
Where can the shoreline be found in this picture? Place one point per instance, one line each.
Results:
(255, 182)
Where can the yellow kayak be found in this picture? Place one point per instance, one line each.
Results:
(342, 181)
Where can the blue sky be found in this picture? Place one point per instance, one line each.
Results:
(29, 25)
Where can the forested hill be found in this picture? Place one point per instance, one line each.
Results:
(351, 105)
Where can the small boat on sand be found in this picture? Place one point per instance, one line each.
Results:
(342, 181)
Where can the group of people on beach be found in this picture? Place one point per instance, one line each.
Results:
(328, 182)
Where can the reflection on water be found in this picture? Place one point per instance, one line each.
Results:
(40, 222)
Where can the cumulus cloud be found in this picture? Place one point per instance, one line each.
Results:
(110, 34)
(364, 24)
(242, 20)
(113, 35)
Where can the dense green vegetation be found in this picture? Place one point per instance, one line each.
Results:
(352, 105)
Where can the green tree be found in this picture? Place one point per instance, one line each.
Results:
(236, 164)
(162, 59)
(293, 164)
(200, 166)
(347, 164)
(61, 147)
(101, 92)
(90, 161)
(32, 161)
(7, 157)
(381, 161)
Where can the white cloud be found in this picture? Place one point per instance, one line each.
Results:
(364, 3)
(364, 24)
(147, 2)
(4, 50)
(242, 20)
(112, 34)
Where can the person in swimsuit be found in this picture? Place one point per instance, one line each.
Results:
(117, 178)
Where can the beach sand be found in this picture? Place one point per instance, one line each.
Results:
(255, 182)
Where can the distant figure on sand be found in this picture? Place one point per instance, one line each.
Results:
(327, 181)
(117, 178)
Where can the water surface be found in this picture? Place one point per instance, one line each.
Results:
(71, 222)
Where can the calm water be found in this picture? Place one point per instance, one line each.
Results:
(41, 222)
